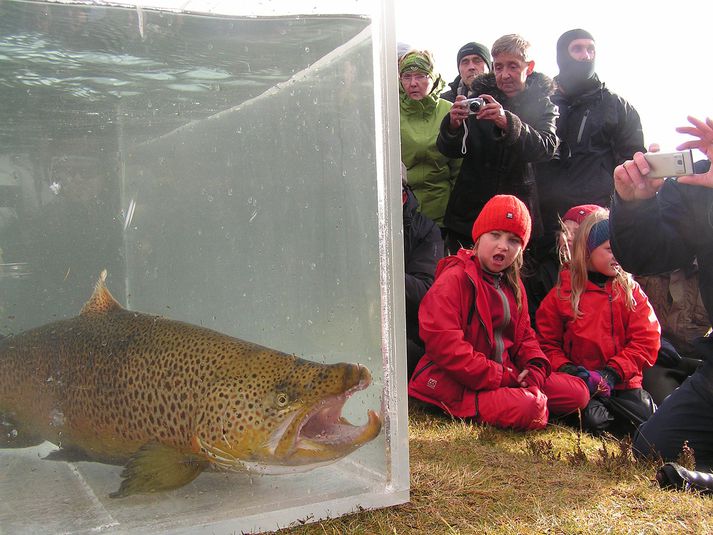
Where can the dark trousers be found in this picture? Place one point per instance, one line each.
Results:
(685, 415)
(660, 381)
(619, 414)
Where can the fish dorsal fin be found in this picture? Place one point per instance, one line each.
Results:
(101, 301)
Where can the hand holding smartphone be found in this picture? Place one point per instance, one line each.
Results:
(664, 164)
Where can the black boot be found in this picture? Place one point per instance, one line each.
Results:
(674, 476)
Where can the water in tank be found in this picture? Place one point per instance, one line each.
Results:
(200, 299)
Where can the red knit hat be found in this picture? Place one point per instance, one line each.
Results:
(504, 212)
(578, 213)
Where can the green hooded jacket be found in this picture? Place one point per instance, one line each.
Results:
(431, 175)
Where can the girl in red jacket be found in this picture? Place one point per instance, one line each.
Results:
(597, 324)
(482, 358)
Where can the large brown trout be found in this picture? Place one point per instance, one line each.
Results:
(169, 399)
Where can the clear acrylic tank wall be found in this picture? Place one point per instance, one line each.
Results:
(236, 170)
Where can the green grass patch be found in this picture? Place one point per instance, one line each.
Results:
(470, 478)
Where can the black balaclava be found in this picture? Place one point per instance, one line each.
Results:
(574, 75)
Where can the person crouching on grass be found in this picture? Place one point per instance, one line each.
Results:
(597, 324)
(482, 358)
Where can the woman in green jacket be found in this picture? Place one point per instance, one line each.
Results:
(430, 174)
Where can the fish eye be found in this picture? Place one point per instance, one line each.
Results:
(282, 400)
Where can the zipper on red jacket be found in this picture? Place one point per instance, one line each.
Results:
(474, 308)
(498, 333)
(611, 315)
(421, 370)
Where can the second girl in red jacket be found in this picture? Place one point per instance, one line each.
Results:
(482, 358)
(598, 325)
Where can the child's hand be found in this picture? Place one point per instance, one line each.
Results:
(536, 376)
(521, 378)
(510, 378)
(597, 384)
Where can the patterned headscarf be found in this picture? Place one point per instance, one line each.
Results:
(417, 61)
(422, 61)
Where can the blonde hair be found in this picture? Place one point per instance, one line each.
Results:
(511, 275)
(623, 283)
(564, 255)
(512, 44)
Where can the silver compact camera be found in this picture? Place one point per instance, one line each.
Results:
(663, 164)
(474, 104)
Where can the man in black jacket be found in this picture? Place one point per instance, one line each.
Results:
(513, 129)
(597, 129)
(658, 226)
(473, 59)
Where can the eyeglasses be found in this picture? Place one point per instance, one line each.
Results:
(417, 76)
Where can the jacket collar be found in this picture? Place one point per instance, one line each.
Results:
(591, 92)
(426, 105)
(537, 86)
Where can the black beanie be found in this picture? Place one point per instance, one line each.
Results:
(469, 49)
(574, 74)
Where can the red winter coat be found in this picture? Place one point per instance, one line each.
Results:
(461, 345)
(606, 334)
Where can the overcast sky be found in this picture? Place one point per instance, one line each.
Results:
(657, 55)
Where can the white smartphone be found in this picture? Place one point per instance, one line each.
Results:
(663, 164)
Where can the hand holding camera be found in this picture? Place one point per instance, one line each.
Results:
(483, 108)
(489, 109)
(665, 164)
(473, 105)
(634, 179)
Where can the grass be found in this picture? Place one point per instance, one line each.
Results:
(470, 478)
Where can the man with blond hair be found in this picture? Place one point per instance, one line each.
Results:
(499, 143)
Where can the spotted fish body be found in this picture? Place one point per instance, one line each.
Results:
(170, 399)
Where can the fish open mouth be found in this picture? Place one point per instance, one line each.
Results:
(325, 428)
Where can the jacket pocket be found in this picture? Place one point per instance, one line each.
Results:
(434, 383)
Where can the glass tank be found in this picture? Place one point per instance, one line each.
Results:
(201, 266)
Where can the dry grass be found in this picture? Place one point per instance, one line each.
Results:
(468, 478)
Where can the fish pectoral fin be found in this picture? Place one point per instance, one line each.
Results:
(156, 467)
